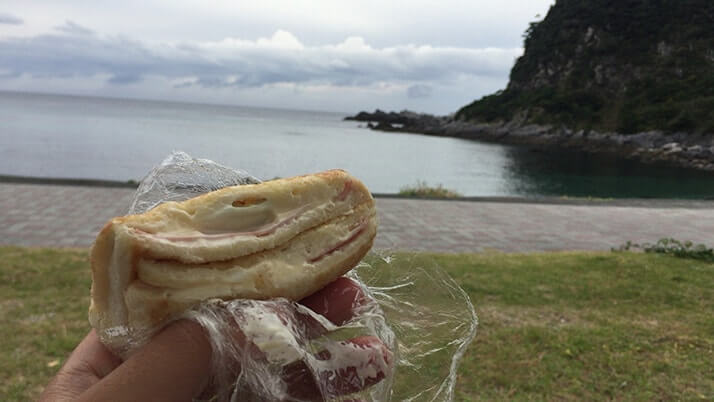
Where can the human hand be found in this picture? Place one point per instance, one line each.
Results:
(175, 364)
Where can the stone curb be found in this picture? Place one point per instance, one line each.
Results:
(67, 182)
(706, 203)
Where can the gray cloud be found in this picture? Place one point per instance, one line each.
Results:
(419, 91)
(124, 79)
(11, 74)
(76, 51)
(74, 29)
(10, 19)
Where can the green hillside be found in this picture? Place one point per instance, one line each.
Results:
(613, 65)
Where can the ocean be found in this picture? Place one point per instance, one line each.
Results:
(120, 139)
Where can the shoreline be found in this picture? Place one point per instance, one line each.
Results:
(61, 181)
(696, 203)
(677, 149)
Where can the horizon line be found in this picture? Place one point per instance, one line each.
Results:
(159, 100)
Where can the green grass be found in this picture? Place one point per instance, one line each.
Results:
(44, 296)
(423, 190)
(579, 326)
(552, 326)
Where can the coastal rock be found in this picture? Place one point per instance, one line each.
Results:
(647, 139)
(671, 148)
(680, 149)
(695, 150)
(403, 121)
(383, 126)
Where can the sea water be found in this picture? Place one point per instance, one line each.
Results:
(121, 139)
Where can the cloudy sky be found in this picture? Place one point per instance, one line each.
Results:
(430, 56)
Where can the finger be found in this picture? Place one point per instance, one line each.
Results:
(337, 301)
(173, 366)
(354, 365)
(89, 362)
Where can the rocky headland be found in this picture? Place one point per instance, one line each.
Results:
(629, 77)
(678, 149)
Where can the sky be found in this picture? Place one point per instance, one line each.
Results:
(426, 56)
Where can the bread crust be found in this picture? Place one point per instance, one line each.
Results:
(282, 238)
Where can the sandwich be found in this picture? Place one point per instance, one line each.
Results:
(282, 238)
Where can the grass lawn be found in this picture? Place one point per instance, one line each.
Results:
(555, 326)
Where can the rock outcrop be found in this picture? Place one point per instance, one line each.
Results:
(630, 77)
(627, 66)
(680, 149)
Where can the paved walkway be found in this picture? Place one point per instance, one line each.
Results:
(58, 215)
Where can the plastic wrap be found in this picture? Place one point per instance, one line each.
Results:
(404, 339)
(180, 177)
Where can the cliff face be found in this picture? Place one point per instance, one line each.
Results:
(613, 65)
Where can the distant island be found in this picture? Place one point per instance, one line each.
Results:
(631, 77)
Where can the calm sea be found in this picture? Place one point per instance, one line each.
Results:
(98, 138)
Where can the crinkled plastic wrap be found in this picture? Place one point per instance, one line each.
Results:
(180, 177)
(281, 350)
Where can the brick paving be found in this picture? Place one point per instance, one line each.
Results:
(70, 216)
